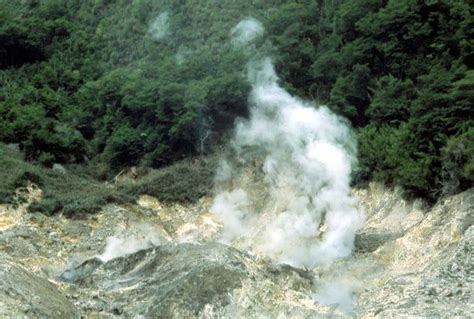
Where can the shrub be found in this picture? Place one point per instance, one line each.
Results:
(185, 181)
(457, 170)
(124, 147)
(71, 194)
(376, 149)
(15, 173)
(76, 196)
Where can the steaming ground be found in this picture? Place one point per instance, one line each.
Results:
(410, 262)
(299, 209)
(284, 194)
(306, 153)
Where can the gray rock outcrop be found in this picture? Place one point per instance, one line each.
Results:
(25, 295)
(165, 281)
(164, 260)
(425, 256)
(172, 280)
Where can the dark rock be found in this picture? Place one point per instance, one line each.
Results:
(368, 240)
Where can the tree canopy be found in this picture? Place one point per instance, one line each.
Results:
(94, 81)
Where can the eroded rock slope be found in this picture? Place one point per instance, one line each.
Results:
(162, 260)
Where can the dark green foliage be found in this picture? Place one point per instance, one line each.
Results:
(374, 146)
(391, 101)
(457, 170)
(75, 197)
(124, 147)
(17, 49)
(15, 173)
(185, 181)
(84, 81)
(71, 194)
(99, 75)
(349, 96)
(401, 71)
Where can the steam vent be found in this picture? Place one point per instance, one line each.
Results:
(236, 159)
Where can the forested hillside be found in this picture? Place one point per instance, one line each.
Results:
(118, 83)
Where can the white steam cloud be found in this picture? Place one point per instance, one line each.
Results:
(246, 31)
(307, 215)
(118, 247)
(338, 294)
(139, 237)
(159, 28)
(182, 55)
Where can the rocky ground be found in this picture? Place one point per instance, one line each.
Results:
(155, 260)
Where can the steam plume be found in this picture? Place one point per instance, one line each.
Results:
(307, 214)
(138, 237)
(159, 27)
(246, 31)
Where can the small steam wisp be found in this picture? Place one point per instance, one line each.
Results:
(307, 215)
(159, 28)
(246, 31)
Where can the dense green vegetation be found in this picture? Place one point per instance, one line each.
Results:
(76, 191)
(75, 194)
(188, 180)
(401, 71)
(87, 81)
